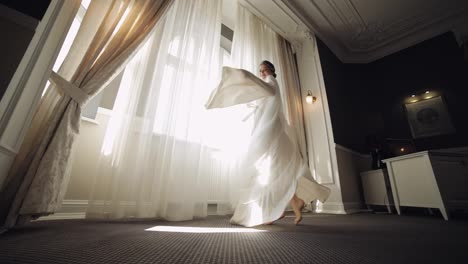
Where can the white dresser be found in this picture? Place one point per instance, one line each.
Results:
(431, 179)
(376, 188)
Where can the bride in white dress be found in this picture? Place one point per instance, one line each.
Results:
(277, 172)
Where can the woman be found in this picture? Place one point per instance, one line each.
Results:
(273, 162)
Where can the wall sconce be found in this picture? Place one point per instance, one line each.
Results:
(310, 99)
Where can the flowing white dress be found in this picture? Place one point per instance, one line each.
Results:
(273, 162)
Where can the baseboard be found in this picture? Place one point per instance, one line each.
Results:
(73, 206)
(71, 209)
(76, 209)
(340, 208)
(61, 216)
(353, 208)
(330, 208)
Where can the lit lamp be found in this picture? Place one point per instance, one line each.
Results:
(309, 98)
(428, 96)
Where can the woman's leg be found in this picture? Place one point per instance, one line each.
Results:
(297, 205)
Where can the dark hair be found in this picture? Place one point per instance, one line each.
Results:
(270, 66)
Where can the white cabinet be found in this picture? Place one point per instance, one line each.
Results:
(376, 188)
(431, 179)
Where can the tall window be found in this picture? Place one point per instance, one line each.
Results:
(90, 109)
(75, 26)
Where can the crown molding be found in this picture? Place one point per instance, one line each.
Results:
(282, 19)
(355, 38)
(274, 14)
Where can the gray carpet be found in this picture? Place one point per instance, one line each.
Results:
(359, 238)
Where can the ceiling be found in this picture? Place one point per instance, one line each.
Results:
(365, 30)
(355, 30)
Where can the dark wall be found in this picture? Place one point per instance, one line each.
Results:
(435, 65)
(354, 112)
(35, 8)
(18, 36)
(380, 89)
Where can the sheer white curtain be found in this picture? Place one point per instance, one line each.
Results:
(254, 41)
(164, 155)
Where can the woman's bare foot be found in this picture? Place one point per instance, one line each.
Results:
(298, 204)
(270, 223)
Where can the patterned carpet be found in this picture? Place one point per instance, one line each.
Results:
(358, 238)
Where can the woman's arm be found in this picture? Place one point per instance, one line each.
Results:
(267, 85)
(238, 86)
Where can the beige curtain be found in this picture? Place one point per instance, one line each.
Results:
(110, 33)
(291, 96)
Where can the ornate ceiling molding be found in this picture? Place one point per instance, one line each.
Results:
(273, 13)
(362, 31)
(282, 20)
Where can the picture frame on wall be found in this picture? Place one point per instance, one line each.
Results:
(429, 118)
